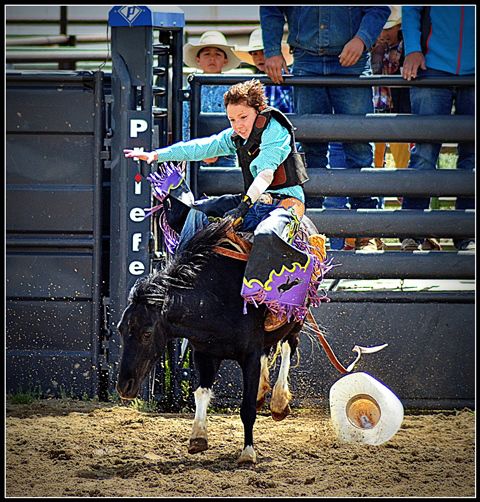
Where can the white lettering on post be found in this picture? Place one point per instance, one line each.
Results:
(137, 214)
(136, 268)
(137, 126)
(136, 241)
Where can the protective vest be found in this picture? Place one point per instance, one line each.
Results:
(292, 171)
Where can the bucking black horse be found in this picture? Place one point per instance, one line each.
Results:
(197, 296)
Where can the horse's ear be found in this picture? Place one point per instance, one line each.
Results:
(124, 319)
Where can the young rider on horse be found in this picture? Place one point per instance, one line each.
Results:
(277, 274)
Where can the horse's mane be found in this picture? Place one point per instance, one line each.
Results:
(181, 269)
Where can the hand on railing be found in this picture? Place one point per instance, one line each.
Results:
(274, 66)
(412, 62)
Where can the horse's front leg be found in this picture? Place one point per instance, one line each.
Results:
(207, 368)
(281, 396)
(248, 410)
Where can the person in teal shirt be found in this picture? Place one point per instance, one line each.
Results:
(272, 204)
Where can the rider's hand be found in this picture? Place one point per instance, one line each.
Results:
(137, 154)
(240, 211)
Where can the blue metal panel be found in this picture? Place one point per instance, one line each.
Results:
(45, 325)
(51, 373)
(54, 108)
(51, 210)
(141, 15)
(53, 275)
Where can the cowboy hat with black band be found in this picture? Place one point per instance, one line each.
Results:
(210, 38)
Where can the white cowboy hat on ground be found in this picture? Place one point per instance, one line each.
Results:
(363, 410)
(395, 17)
(255, 43)
(210, 38)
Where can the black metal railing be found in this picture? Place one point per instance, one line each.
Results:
(368, 181)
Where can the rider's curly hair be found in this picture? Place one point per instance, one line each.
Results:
(250, 93)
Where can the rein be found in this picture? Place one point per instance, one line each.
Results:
(325, 345)
(331, 356)
(236, 255)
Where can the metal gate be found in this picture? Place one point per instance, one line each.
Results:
(54, 204)
(76, 235)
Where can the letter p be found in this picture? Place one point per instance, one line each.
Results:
(137, 126)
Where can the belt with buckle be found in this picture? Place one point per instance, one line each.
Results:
(266, 198)
(270, 198)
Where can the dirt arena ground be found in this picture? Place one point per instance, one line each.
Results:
(64, 448)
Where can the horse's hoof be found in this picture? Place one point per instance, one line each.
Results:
(197, 445)
(260, 403)
(280, 416)
(248, 456)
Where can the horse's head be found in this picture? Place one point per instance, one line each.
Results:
(143, 336)
(144, 325)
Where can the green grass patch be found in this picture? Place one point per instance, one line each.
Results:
(138, 404)
(25, 397)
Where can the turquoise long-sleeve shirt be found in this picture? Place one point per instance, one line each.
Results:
(451, 43)
(274, 149)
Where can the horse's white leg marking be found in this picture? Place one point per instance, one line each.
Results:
(281, 395)
(202, 399)
(248, 456)
(264, 383)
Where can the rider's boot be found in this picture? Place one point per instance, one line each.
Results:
(272, 322)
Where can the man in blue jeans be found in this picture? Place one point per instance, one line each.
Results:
(449, 50)
(327, 41)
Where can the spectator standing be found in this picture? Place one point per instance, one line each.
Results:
(212, 55)
(278, 96)
(449, 50)
(327, 41)
(387, 59)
